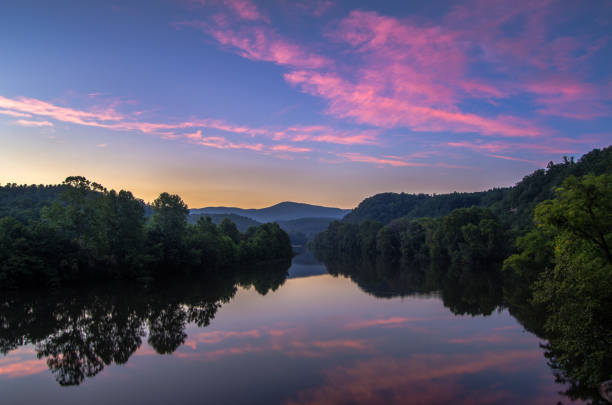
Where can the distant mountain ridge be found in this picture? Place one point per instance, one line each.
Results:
(284, 211)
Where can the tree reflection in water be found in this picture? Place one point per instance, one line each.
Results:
(480, 291)
(82, 329)
(463, 291)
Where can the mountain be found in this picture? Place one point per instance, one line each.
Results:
(285, 211)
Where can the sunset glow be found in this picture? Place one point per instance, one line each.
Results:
(244, 103)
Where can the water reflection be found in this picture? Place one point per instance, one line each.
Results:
(241, 338)
(81, 330)
(463, 291)
(305, 265)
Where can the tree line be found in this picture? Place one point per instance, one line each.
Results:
(81, 231)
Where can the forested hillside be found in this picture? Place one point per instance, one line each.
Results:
(386, 207)
(24, 202)
(385, 224)
(80, 230)
(515, 205)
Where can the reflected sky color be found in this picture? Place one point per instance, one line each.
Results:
(315, 340)
(231, 101)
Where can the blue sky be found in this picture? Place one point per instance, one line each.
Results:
(246, 103)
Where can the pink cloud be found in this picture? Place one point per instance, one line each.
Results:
(285, 341)
(394, 72)
(294, 348)
(260, 43)
(15, 114)
(189, 130)
(221, 142)
(323, 348)
(427, 378)
(233, 351)
(326, 134)
(367, 103)
(246, 10)
(195, 136)
(28, 123)
(499, 146)
(393, 321)
(387, 161)
(569, 98)
(23, 368)
(288, 148)
(242, 9)
(219, 336)
(16, 363)
(516, 159)
(42, 108)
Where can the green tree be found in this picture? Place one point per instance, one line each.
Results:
(170, 215)
(168, 231)
(468, 238)
(584, 209)
(577, 290)
(228, 228)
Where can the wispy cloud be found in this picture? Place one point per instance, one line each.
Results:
(288, 148)
(382, 161)
(193, 131)
(15, 113)
(28, 123)
(385, 322)
(259, 43)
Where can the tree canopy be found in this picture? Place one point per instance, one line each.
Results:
(79, 230)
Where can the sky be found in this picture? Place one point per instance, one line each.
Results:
(249, 103)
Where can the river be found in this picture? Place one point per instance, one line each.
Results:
(297, 337)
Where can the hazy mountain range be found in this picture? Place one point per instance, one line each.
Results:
(284, 211)
(301, 221)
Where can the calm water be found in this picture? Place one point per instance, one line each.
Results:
(310, 339)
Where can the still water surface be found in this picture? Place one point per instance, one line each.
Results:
(310, 339)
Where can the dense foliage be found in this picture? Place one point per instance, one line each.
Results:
(386, 207)
(389, 224)
(300, 230)
(24, 202)
(567, 262)
(80, 230)
(242, 223)
(557, 270)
